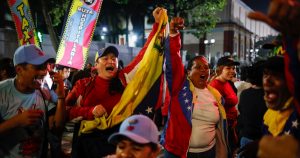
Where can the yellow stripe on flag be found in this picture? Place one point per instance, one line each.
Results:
(148, 72)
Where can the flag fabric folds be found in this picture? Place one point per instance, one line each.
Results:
(141, 93)
(78, 33)
(177, 130)
(23, 21)
(292, 65)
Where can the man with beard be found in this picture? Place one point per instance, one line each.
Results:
(24, 111)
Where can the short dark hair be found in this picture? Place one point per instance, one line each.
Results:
(7, 65)
(255, 73)
(190, 62)
(61, 67)
(275, 64)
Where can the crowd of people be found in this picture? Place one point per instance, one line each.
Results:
(205, 116)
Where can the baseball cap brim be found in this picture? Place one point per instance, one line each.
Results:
(233, 63)
(115, 138)
(110, 49)
(41, 60)
(275, 63)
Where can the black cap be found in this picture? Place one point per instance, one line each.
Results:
(275, 43)
(275, 64)
(109, 49)
(227, 61)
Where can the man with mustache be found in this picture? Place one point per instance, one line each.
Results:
(24, 110)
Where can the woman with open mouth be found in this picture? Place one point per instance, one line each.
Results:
(97, 96)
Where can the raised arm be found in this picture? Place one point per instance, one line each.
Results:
(284, 15)
(157, 14)
(60, 113)
(175, 67)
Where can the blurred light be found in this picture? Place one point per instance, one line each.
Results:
(205, 41)
(211, 41)
(40, 36)
(132, 39)
(226, 53)
(104, 29)
(102, 37)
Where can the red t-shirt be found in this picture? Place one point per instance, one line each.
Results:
(229, 95)
(94, 91)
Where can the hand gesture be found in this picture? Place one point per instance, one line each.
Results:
(157, 13)
(283, 15)
(177, 23)
(278, 147)
(58, 79)
(98, 111)
(29, 117)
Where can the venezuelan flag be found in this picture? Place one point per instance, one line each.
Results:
(139, 92)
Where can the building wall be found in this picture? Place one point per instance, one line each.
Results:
(235, 34)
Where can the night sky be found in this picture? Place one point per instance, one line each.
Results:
(261, 5)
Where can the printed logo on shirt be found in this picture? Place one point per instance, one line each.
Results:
(30, 146)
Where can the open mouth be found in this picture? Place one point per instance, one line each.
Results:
(270, 96)
(109, 68)
(202, 77)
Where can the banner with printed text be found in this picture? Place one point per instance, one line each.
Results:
(78, 33)
(23, 21)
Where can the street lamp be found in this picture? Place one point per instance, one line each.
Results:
(209, 43)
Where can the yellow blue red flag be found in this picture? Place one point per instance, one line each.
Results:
(146, 79)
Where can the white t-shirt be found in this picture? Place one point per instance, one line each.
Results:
(204, 119)
(22, 141)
